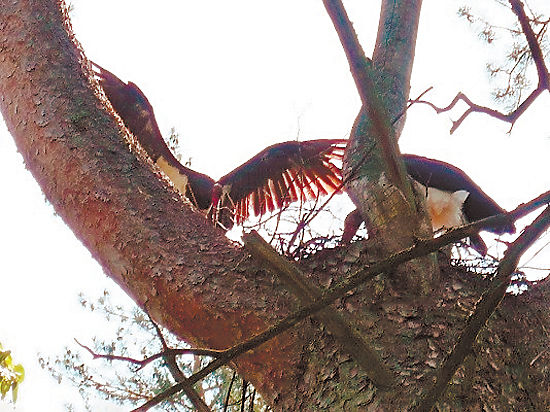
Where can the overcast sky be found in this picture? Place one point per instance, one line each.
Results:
(233, 78)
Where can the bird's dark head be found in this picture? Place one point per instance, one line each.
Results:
(219, 213)
(217, 191)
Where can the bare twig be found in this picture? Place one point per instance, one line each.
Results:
(476, 108)
(178, 375)
(421, 248)
(542, 71)
(536, 358)
(251, 402)
(485, 308)
(169, 356)
(159, 332)
(143, 362)
(228, 396)
(243, 394)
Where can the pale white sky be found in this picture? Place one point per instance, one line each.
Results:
(232, 78)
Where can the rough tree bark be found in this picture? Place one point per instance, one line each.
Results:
(191, 279)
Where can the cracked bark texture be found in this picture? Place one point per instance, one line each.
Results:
(191, 279)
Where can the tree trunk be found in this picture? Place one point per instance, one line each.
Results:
(395, 216)
(205, 289)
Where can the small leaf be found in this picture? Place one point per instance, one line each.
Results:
(4, 355)
(4, 388)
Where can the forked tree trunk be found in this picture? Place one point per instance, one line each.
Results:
(191, 279)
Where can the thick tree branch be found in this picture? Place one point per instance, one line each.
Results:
(381, 189)
(421, 248)
(294, 279)
(487, 305)
(164, 254)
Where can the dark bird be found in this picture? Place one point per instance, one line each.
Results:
(452, 199)
(278, 175)
(291, 171)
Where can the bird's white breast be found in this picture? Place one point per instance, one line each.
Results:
(445, 208)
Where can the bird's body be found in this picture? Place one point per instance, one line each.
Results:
(448, 178)
(452, 199)
(139, 117)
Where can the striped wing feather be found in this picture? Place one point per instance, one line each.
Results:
(284, 173)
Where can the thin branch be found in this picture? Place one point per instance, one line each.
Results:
(228, 396)
(358, 62)
(167, 354)
(485, 308)
(243, 394)
(143, 362)
(421, 248)
(296, 282)
(251, 403)
(159, 332)
(476, 108)
(410, 103)
(532, 41)
(178, 375)
(542, 71)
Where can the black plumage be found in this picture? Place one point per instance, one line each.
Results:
(137, 114)
(435, 174)
(444, 176)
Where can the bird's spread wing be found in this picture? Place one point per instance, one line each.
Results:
(135, 110)
(137, 114)
(444, 176)
(281, 174)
